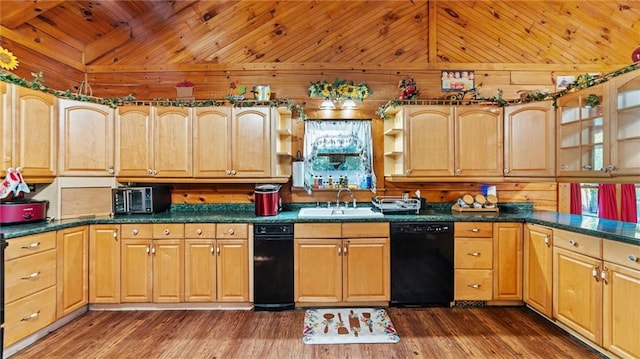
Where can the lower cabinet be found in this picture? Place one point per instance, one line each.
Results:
(152, 265)
(507, 261)
(538, 268)
(72, 269)
(473, 261)
(104, 263)
(216, 269)
(337, 262)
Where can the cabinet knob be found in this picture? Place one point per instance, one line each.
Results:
(573, 243)
(230, 231)
(199, 231)
(458, 171)
(233, 172)
(149, 171)
(228, 172)
(154, 172)
(409, 171)
(166, 232)
(111, 170)
(633, 257)
(134, 232)
(506, 171)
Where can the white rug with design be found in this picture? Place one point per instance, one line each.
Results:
(348, 325)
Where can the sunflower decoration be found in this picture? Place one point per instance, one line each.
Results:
(8, 60)
(339, 90)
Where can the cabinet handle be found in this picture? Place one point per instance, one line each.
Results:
(594, 272)
(111, 170)
(147, 249)
(345, 250)
(603, 275)
(30, 316)
(573, 243)
(633, 257)
(474, 230)
(339, 250)
(31, 276)
(218, 250)
(547, 241)
(32, 245)
(230, 231)
(135, 232)
(474, 254)
(213, 251)
(476, 286)
(587, 167)
(199, 231)
(115, 234)
(166, 232)
(153, 249)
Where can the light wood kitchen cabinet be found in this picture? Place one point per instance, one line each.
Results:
(73, 269)
(347, 262)
(233, 142)
(577, 287)
(624, 115)
(621, 314)
(86, 132)
(104, 263)
(473, 261)
(583, 130)
(30, 285)
(152, 262)
(216, 270)
(507, 261)
(529, 140)
(154, 142)
(538, 268)
(479, 141)
(29, 126)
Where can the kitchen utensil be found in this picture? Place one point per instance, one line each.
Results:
(341, 328)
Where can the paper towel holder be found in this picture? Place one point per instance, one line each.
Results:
(297, 171)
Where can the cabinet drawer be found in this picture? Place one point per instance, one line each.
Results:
(27, 275)
(232, 230)
(27, 245)
(624, 254)
(141, 231)
(199, 230)
(168, 230)
(365, 230)
(472, 253)
(317, 230)
(473, 284)
(473, 229)
(579, 243)
(28, 315)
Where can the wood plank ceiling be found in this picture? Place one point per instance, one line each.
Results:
(127, 37)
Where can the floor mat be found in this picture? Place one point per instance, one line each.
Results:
(348, 325)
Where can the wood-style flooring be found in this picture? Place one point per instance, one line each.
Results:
(488, 332)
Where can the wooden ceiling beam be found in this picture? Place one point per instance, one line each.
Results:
(48, 49)
(141, 27)
(16, 13)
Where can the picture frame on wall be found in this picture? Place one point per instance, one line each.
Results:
(562, 82)
(457, 80)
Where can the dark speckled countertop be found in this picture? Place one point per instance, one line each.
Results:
(244, 213)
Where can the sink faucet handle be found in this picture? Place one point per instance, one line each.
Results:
(328, 204)
(354, 203)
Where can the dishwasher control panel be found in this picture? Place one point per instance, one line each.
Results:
(273, 229)
(417, 228)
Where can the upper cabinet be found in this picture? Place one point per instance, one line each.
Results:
(529, 140)
(443, 141)
(624, 111)
(153, 142)
(28, 127)
(86, 139)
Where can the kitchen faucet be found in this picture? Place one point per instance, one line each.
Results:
(350, 193)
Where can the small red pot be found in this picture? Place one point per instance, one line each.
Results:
(268, 201)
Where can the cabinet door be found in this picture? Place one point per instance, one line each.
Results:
(233, 270)
(168, 270)
(366, 269)
(172, 149)
(200, 270)
(104, 263)
(133, 141)
(251, 142)
(478, 141)
(318, 270)
(507, 261)
(212, 142)
(624, 113)
(621, 316)
(577, 293)
(86, 139)
(529, 140)
(538, 268)
(34, 133)
(72, 281)
(136, 269)
(429, 141)
(6, 137)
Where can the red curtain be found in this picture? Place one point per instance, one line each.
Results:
(629, 210)
(575, 199)
(607, 207)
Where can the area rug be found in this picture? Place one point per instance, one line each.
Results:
(348, 325)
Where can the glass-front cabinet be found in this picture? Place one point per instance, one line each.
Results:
(583, 148)
(624, 104)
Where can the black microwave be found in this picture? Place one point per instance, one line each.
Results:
(148, 199)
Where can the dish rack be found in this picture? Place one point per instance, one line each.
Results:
(396, 204)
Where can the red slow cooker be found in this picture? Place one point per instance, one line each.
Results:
(23, 211)
(268, 201)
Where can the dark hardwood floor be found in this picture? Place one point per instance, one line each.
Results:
(489, 332)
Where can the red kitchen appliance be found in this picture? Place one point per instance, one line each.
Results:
(23, 211)
(268, 201)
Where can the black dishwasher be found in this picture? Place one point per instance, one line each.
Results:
(273, 266)
(422, 264)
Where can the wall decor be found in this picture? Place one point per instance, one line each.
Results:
(458, 80)
(563, 82)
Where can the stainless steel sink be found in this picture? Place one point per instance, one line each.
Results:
(342, 212)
